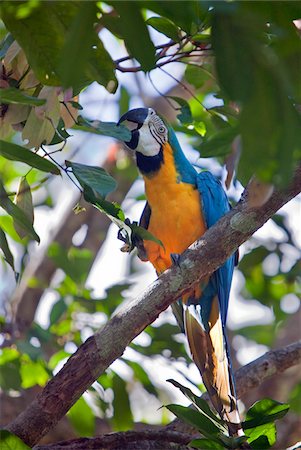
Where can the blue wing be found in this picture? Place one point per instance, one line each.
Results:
(215, 205)
(205, 313)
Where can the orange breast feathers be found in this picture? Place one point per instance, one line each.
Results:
(176, 215)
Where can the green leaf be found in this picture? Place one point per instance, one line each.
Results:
(17, 214)
(197, 420)
(15, 152)
(185, 116)
(206, 444)
(264, 411)
(144, 234)
(94, 177)
(111, 129)
(57, 311)
(23, 200)
(10, 441)
(136, 37)
(200, 404)
(8, 256)
(69, 36)
(295, 399)
(74, 262)
(165, 26)
(123, 418)
(262, 437)
(218, 144)
(13, 95)
(10, 366)
(33, 373)
(82, 418)
(56, 358)
(80, 50)
(142, 376)
(198, 75)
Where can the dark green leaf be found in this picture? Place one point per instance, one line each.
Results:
(145, 234)
(206, 444)
(15, 152)
(264, 411)
(119, 132)
(123, 418)
(82, 418)
(136, 37)
(10, 441)
(94, 177)
(185, 14)
(235, 64)
(13, 95)
(57, 311)
(112, 210)
(165, 26)
(83, 50)
(197, 420)
(6, 250)
(124, 103)
(218, 144)
(17, 214)
(199, 403)
(185, 116)
(69, 20)
(10, 369)
(295, 399)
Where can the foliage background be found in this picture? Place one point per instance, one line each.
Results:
(230, 84)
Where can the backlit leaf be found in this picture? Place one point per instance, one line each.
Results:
(82, 418)
(16, 152)
(23, 200)
(13, 95)
(10, 441)
(17, 214)
(164, 26)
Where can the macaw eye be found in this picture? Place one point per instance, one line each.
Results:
(161, 129)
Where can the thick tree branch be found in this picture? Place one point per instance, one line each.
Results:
(100, 350)
(146, 440)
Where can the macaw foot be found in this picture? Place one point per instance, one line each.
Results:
(176, 259)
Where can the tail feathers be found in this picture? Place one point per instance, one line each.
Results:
(208, 349)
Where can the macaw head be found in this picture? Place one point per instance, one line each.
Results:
(150, 134)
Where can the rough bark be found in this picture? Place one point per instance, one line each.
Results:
(100, 350)
(146, 440)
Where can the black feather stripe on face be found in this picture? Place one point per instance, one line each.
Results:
(149, 164)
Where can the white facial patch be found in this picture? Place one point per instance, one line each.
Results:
(152, 135)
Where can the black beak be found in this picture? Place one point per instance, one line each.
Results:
(138, 116)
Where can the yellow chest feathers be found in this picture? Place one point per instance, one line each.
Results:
(176, 216)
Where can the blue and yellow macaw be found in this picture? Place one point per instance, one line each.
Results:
(181, 205)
